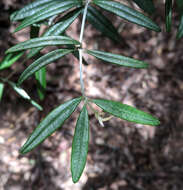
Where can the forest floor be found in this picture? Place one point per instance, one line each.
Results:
(122, 155)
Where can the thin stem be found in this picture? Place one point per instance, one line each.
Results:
(80, 50)
(83, 21)
(81, 72)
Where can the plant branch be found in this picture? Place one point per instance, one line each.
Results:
(81, 50)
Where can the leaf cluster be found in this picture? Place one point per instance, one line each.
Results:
(57, 16)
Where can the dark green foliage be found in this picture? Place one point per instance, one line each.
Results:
(126, 112)
(80, 145)
(54, 8)
(146, 5)
(50, 124)
(127, 13)
(180, 30)
(57, 29)
(102, 23)
(43, 61)
(1, 90)
(168, 14)
(117, 59)
(41, 42)
(57, 16)
(40, 76)
(9, 60)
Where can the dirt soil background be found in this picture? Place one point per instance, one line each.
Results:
(122, 155)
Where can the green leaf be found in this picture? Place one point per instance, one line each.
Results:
(80, 145)
(31, 9)
(41, 82)
(179, 5)
(57, 8)
(180, 29)
(146, 5)
(168, 14)
(43, 41)
(117, 59)
(9, 60)
(35, 104)
(1, 90)
(41, 74)
(50, 124)
(43, 61)
(126, 112)
(102, 23)
(24, 94)
(19, 90)
(57, 29)
(127, 13)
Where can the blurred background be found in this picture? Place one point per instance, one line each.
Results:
(122, 155)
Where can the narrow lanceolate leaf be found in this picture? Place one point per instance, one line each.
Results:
(41, 82)
(168, 14)
(102, 23)
(24, 95)
(55, 9)
(126, 112)
(117, 59)
(50, 124)
(9, 60)
(57, 29)
(146, 5)
(31, 9)
(127, 13)
(80, 145)
(180, 30)
(28, 8)
(43, 41)
(64, 23)
(43, 61)
(1, 90)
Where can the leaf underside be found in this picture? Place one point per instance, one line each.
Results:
(24, 95)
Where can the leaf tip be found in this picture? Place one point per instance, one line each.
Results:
(75, 180)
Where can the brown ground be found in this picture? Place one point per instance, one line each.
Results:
(122, 155)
